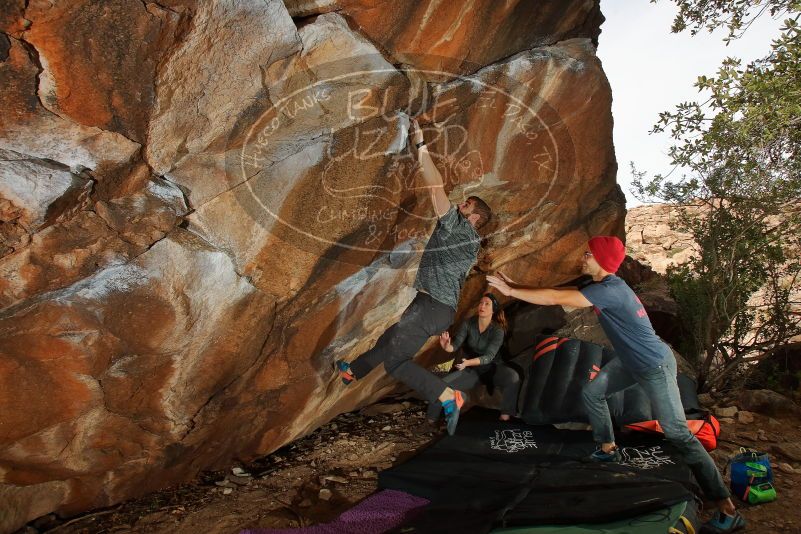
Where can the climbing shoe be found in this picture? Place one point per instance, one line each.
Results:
(722, 523)
(343, 368)
(601, 456)
(451, 409)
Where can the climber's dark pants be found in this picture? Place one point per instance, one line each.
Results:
(493, 375)
(423, 318)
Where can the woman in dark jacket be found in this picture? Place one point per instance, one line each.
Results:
(480, 337)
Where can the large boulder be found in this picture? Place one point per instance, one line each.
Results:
(441, 39)
(767, 402)
(93, 73)
(31, 129)
(204, 203)
(129, 357)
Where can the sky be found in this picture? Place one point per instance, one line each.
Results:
(651, 70)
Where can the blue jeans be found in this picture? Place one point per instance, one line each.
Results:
(659, 384)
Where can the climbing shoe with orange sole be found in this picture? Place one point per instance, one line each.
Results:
(451, 408)
(343, 368)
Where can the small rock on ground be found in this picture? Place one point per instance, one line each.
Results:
(745, 418)
(786, 468)
(728, 411)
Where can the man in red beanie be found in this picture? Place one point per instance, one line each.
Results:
(642, 358)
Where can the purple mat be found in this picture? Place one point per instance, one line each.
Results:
(377, 513)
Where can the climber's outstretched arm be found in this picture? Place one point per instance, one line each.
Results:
(545, 297)
(431, 176)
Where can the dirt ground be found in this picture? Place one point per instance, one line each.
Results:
(318, 477)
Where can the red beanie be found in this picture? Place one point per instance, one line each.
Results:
(608, 251)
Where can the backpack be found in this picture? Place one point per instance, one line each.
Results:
(752, 477)
(706, 428)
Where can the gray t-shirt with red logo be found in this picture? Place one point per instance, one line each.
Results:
(626, 323)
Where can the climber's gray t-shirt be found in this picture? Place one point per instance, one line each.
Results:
(626, 323)
(450, 252)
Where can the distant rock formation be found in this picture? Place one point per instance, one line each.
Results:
(651, 240)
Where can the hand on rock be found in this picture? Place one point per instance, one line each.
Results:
(500, 284)
(415, 131)
(506, 279)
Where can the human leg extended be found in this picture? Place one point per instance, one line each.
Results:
(612, 377)
(463, 380)
(396, 347)
(367, 361)
(663, 391)
(424, 318)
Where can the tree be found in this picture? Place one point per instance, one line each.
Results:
(735, 15)
(739, 193)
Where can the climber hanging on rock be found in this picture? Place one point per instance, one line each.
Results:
(449, 254)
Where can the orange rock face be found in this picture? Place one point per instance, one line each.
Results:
(459, 37)
(95, 74)
(204, 203)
